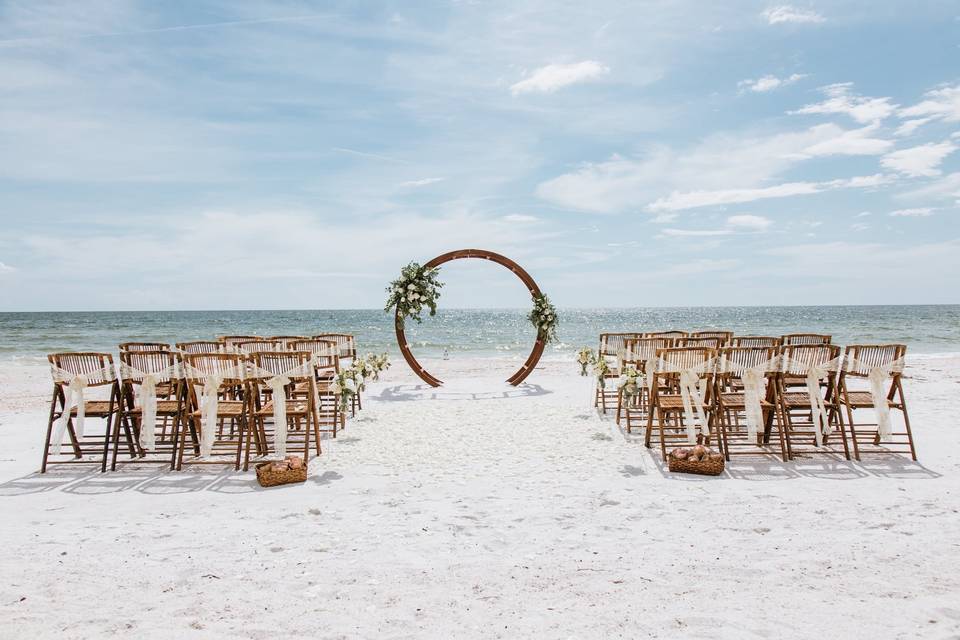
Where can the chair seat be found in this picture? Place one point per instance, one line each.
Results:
(163, 406)
(94, 408)
(323, 386)
(294, 408)
(670, 402)
(737, 401)
(797, 399)
(225, 409)
(861, 399)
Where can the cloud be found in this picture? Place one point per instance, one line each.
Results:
(942, 103)
(859, 226)
(769, 83)
(922, 160)
(678, 201)
(683, 233)
(840, 99)
(556, 76)
(5, 268)
(853, 142)
(420, 183)
(864, 214)
(908, 127)
(785, 14)
(519, 218)
(744, 159)
(917, 212)
(749, 222)
(947, 187)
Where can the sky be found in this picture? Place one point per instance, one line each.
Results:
(288, 155)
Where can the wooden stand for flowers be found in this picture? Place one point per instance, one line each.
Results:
(538, 346)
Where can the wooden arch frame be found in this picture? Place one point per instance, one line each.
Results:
(482, 254)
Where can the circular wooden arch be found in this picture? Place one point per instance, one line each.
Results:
(538, 346)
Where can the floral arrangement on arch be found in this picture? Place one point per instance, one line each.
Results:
(416, 288)
(544, 318)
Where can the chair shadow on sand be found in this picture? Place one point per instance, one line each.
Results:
(146, 481)
(764, 468)
(411, 392)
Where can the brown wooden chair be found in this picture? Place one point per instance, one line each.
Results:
(754, 341)
(673, 428)
(139, 372)
(347, 346)
(800, 420)
(249, 347)
(215, 382)
(733, 424)
(805, 338)
(859, 362)
(326, 359)
(299, 417)
(611, 349)
(640, 353)
(73, 374)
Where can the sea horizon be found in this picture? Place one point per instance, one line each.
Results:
(488, 332)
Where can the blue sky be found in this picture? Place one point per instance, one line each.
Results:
(296, 155)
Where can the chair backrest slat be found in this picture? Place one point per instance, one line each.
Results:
(148, 362)
(860, 359)
(707, 341)
(345, 343)
(798, 359)
(754, 341)
(805, 338)
(200, 346)
(144, 346)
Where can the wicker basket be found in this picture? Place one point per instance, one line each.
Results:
(700, 467)
(267, 477)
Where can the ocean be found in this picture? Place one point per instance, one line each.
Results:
(28, 337)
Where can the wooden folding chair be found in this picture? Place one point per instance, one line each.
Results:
(759, 366)
(667, 410)
(73, 374)
(611, 349)
(754, 341)
(347, 346)
(805, 338)
(640, 353)
(326, 358)
(214, 384)
(292, 426)
(885, 363)
(153, 396)
(802, 414)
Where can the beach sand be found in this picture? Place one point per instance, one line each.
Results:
(482, 510)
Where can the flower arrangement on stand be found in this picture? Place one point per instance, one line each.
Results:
(585, 358)
(629, 385)
(377, 364)
(344, 387)
(601, 368)
(416, 288)
(544, 317)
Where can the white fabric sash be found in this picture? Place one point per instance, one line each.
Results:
(73, 397)
(277, 384)
(692, 394)
(754, 390)
(877, 376)
(147, 396)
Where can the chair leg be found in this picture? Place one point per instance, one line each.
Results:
(46, 441)
(906, 421)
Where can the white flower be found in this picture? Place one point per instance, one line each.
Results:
(412, 287)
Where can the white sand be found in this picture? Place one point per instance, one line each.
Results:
(480, 510)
